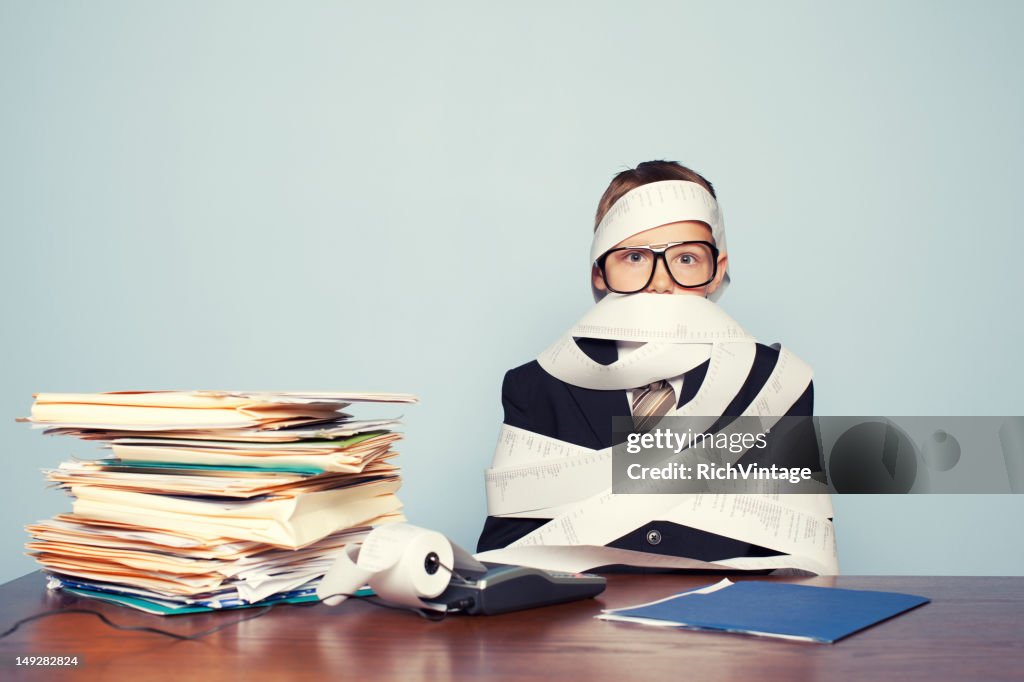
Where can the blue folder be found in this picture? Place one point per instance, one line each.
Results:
(819, 614)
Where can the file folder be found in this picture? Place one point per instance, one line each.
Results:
(772, 609)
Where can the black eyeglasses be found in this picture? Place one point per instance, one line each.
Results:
(629, 269)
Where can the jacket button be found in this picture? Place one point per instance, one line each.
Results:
(654, 537)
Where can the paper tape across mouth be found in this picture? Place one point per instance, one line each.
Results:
(678, 331)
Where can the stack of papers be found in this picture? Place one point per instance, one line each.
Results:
(213, 499)
(771, 609)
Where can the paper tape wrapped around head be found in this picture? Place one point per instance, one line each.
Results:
(656, 204)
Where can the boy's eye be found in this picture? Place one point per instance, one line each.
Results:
(688, 256)
(633, 257)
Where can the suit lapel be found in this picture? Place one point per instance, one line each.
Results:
(598, 407)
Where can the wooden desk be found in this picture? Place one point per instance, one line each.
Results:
(973, 630)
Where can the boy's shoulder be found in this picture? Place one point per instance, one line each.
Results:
(601, 351)
(529, 374)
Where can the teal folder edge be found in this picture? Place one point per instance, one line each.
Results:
(801, 612)
(163, 610)
(137, 464)
(158, 609)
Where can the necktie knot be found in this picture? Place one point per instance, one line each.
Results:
(651, 403)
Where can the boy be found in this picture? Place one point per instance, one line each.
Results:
(574, 400)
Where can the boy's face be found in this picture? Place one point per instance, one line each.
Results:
(662, 283)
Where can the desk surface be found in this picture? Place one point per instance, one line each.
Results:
(973, 629)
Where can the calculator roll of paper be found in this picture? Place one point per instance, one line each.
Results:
(402, 563)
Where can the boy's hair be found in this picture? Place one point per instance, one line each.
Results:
(648, 171)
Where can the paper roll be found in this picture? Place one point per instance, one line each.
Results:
(402, 563)
(409, 563)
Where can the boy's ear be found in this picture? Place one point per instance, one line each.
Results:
(596, 279)
(723, 263)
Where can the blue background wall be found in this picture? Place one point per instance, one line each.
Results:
(400, 198)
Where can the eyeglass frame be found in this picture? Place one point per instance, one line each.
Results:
(659, 252)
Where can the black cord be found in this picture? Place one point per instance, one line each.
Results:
(433, 616)
(114, 625)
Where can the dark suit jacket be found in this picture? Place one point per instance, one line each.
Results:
(536, 401)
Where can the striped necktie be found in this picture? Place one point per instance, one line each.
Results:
(651, 403)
